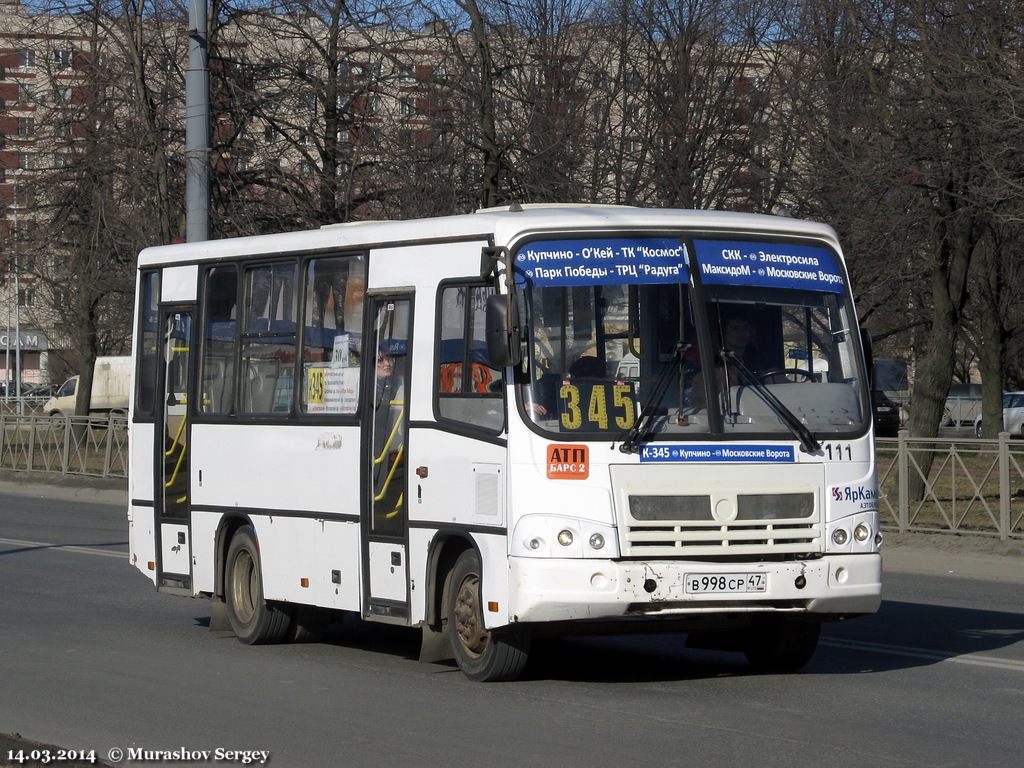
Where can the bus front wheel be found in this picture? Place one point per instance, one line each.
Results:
(780, 644)
(253, 619)
(482, 655)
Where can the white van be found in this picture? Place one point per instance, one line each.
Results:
(110, 383)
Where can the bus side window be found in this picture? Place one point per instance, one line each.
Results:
(149, 332)
(332, 334)
(220, 298)
(268, 345)
(468, 389)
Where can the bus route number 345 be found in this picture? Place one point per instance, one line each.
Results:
(590, 406)
(719, 583)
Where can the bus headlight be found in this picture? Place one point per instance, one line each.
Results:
(537, 535)
(856, 534)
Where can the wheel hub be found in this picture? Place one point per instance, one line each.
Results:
(468, 618)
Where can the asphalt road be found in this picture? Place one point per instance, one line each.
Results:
(94, 658)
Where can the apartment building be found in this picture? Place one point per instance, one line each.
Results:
(314, 122)
(37, 78)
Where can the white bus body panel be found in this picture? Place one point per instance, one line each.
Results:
(294, 483)
(141, 524)
(276, 467)
(388, 570)
(179, 284)
(175, 550)
(336, 548)
(464, 487)
(553, 590)
(142, 538)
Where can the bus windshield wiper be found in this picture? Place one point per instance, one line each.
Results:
(808, 442)
(642, 426)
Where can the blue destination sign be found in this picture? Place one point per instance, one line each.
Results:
(768, 265)
(624, 261)
(716, 452)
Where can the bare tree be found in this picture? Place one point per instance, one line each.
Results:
(840, 79)
(908, 114)
(700, 85)
(104, 191)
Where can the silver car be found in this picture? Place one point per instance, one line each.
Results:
(1013, 415)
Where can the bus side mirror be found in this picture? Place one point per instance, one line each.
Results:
(502, 331)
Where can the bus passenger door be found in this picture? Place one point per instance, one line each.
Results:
(386, 415)
(174, 566)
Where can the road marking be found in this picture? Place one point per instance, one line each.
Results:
(975, 659)
(68, 547)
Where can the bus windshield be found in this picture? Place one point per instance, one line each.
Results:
(647, 339)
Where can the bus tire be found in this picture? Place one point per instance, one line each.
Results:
(780, 644)
(253, 620)
(308, 625)
(482, 655)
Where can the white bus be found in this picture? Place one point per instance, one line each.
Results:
(520, 421)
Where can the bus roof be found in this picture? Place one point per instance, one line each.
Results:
(502, 225)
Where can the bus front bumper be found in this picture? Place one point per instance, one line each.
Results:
(548, 590)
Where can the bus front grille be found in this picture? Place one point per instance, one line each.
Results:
(715, 539)
(719, 511)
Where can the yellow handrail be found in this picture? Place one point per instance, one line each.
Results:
(177, 438)
(394, 431)
(181, 456)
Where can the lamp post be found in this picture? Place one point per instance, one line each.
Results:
(7, 352)
(17, 304)
(7, 337)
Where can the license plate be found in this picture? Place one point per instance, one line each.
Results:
(725, 583)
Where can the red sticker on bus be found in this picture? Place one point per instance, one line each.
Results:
(568, 462)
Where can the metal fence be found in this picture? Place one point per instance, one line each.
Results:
(969, 486)
(68, 445)
(952, 485)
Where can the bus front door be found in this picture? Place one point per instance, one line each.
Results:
(386, 415)
(172, 456)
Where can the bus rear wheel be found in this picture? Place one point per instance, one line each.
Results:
(253, 619)
(780, 644)
(483, 655)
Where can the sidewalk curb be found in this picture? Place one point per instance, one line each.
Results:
(98, 490)
(70, 493)
(994, 567)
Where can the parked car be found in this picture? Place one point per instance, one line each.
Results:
(39, 390)
(1013, 415)
(886, 415)
(13, 387)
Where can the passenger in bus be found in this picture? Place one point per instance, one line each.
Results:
(587, 367)
(541, 398)
(388, 443)
(737, 339)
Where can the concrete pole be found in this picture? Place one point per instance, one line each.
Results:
(17, 302)
(197, 126)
